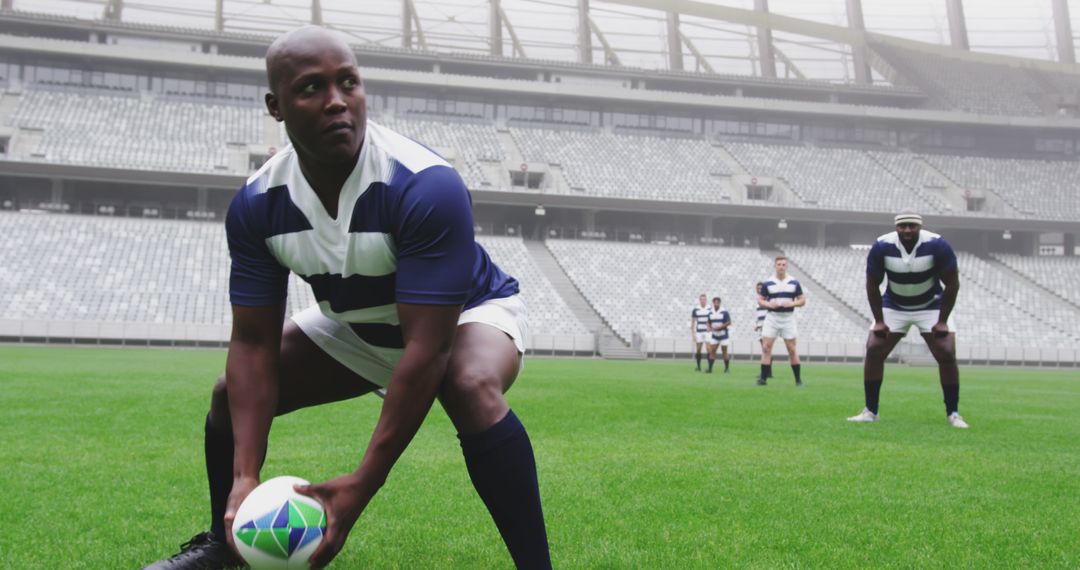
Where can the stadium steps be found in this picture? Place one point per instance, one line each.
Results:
(610, 345)
(737, 167)
(509, 147)
(991, 260)
(933, 201)
(820, 293)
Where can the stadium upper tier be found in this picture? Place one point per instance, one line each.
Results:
(82, 268)
(994, 307)
(144, 131)
(834, 178)
(629, 166)
(137, 132)
(650, 289)
(965, 85)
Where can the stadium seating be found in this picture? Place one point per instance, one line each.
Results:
(548, 312)
(162, 271)
(629, 166)
(835, 178)
(1031, 186)
(1056, 274)
(966, 85)
(903, 165)
(101, 128)
(993, 309)
(650, 289)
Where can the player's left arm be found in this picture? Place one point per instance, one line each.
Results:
(436, 255)
(945, 258)
(429, 336)
(951, 281)
(800, 297)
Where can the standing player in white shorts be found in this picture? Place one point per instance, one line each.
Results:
(719, 334)
(917, 263)
(759, 315)
(780, 294)
(382, 230)
(699, 327)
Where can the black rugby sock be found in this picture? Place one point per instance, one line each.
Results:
(952, 397)
(873, 394)
(711, 361)
(727, 362)
(797, 369)
(503, 471)
(218, 447)
(697, 357)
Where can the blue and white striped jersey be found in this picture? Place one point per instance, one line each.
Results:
(761, 312)
(718, 317)
(914, 279)
(701, 318)
(403, 234)
(788, 288)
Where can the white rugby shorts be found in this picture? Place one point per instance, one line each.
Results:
(902, 321)
(376, 364)
(702, 336)
(780, 325)
(716, 341)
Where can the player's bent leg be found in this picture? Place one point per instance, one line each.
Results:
(498, 454)
(307, 377)
(944, 350)
(877, 350)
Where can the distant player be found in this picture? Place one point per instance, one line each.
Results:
(382, 229)
(759, 317)
(699, 327)
(719, 334)
(917, 264)
(780, 295)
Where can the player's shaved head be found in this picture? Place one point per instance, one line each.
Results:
(302, 45)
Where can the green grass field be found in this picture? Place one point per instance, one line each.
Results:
(642, 465)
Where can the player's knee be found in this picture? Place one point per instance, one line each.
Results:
(472, 387)
(946, 357)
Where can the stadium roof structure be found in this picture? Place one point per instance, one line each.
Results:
(815, 40)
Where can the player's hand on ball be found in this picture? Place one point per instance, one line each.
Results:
(940, 329)
(880, 330)
(343, 501)
(241, 488)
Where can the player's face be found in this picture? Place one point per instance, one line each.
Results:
(908, 233)
(716, 304)
(701, 300)
(320, 97)
(781, 267)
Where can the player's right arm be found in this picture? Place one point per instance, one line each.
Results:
(875, 274)
(251, 379)
(257, 289)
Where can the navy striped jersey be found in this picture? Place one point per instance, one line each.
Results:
(403, 234)
(788, 288)
(701, 318)
(719, 317)
(914, 278)
(761, 312)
